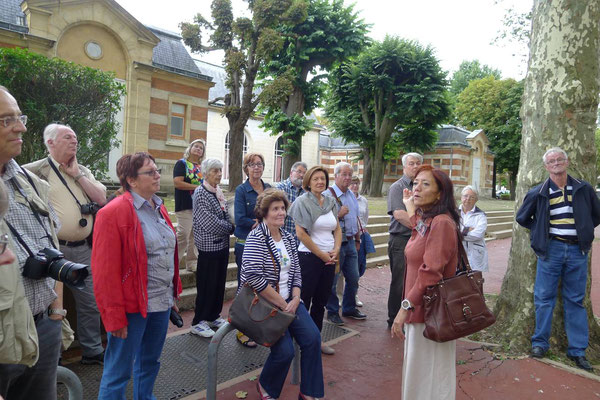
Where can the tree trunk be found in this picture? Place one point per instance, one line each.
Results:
(559, 109)
(378, 168)
(494, 172)
(513, 184)
(367, 172)
(294, 105)
(236, 153)
(289, 160)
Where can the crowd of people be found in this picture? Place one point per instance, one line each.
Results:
(120, 257)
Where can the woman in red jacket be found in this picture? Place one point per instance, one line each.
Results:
(136, 278)
(429, 368)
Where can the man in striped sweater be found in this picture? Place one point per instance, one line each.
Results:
(561, 214)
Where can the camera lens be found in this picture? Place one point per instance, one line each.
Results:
(64, 270)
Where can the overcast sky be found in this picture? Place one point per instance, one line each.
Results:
(458, 30)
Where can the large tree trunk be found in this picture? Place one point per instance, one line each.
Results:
(494, 172)
(236, 153)
(513, 184)
(295, 105)
(377, 171)
(367, 172)
(559, 109)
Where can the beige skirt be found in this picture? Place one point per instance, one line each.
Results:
(429, 368)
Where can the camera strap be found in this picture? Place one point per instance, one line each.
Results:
(62, 179)
(19, 238)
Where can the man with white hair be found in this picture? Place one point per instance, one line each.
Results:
(348, 217)
(561, 214)
(400, 231)
(292, 187)
(76, 196)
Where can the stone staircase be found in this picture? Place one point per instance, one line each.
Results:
(499, 226)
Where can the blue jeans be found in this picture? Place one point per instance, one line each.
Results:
(140, 350)
(238, 251)
(569, 264)
(276, 368)
(348, 267)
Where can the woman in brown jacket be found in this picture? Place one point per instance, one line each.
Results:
(428, 371)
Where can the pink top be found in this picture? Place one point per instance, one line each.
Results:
(431, 253)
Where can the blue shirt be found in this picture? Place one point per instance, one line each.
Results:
(349, 224)
(245, 201)
(160, 246)
(292, 193)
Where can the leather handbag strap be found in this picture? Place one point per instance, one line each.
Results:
(463, 260)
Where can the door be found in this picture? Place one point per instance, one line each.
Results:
(476, 172)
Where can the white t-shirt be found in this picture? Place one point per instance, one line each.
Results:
(284, 274)
(321, 233)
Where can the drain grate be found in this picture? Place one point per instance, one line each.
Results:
(183, 365)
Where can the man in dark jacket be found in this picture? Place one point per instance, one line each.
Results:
(561, 214)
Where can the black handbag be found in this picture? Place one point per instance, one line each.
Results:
(455, 307)
(258, 318)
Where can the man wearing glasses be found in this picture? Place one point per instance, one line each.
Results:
(33, 220)
(561, 214)
(75, 196)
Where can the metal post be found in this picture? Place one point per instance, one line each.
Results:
(71, 381)
(296, 365)
(211, 366)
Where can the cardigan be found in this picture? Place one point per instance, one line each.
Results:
(212, 226)
(120, 263)
(257, 265)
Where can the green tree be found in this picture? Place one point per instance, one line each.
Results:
(494, 105)
(50, 90)
(393, 87)
(249, 43)
(330, 34)
(469, 71)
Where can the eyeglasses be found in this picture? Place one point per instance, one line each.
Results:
(3, 243)
(10, 121)
(413, 164)
(255, 165)
(152, 172)
(469, 197)
(556, 161)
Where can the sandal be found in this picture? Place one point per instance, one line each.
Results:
(260, 393)
(245, 340)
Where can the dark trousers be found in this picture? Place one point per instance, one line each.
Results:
(38, 382)
(210, 284)
(396, 245)
(317, 279)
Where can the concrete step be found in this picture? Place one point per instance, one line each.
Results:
(379, 238)
(379, 219)
(499, 213)
(378, 228)
(500, 226)
(380, 250)
(498, 219)
(187, 300)
(502, 234)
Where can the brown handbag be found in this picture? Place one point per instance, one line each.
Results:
(258, 318)
(455, 307)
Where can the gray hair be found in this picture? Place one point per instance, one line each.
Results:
(210, 164)
(415, 155)
(51, 131)
(299, 164)
(472, 189)
(186, 153)
(554, 150)
(339, 166)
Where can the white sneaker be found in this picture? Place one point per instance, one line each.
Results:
(358, 302)
(202, 329)
(217, 323)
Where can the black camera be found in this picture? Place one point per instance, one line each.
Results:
(90, 208)
(51, 263)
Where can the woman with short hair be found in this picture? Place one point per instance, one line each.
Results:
(187, 176)
(245, 220)
(320, 236)
(136, 278)
(473, 224)
(212, 228)
(270, 266)
(429, 368)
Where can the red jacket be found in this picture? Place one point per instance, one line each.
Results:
(120, 263)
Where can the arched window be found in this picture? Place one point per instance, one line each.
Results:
(226, 156)
(278, 170)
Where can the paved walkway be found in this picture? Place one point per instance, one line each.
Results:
(369, 365)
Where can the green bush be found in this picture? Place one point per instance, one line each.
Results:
(54, 90)
(505, 196)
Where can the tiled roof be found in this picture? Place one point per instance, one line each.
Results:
(170, 54)
(9, 11)
(329, 142)
(450, 134)
(219, 76)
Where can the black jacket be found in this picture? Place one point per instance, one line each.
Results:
(534, 214)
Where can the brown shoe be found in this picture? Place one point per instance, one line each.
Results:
(327, 349)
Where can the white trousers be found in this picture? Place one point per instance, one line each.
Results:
(188, 253)
(429, 368)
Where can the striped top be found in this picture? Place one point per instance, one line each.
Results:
(562, 222)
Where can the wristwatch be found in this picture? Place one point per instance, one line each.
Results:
(406, 305)
(57, 311)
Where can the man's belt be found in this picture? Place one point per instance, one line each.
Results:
(76, 243)
(348, 238)
(568, 241)
(38, 317)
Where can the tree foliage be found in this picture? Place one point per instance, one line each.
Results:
(330, 34)
(53, 90)
(249, 43)
(393, 87)
(494, 105)
(469, 71)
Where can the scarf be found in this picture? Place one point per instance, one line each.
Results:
(306, 209)
(217, 192)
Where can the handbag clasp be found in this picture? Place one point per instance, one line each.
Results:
(467, 312)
